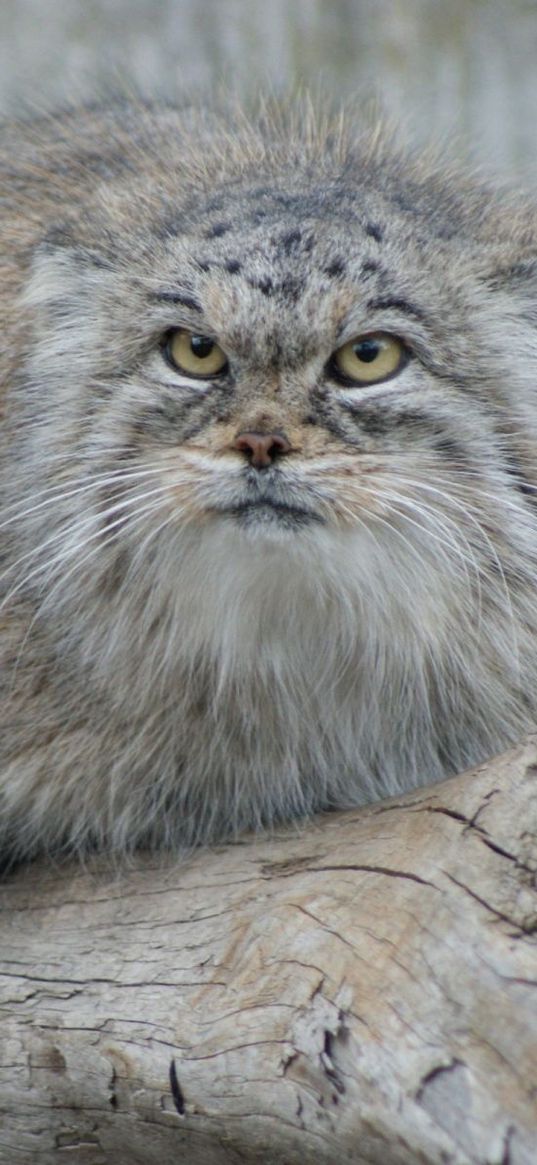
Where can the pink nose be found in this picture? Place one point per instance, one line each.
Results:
(261, 449)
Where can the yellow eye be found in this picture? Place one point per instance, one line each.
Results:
(367, 359)
(196, 355)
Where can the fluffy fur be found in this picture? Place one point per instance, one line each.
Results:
(177, 663)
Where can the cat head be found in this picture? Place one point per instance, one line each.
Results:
(305, 356)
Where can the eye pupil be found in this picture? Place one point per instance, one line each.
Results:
(194, 354)
(201, 346)
(368, 359)
(367, 350)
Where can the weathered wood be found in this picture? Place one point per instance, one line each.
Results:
(363, 991)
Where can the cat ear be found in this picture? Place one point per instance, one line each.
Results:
(66, 304)
(512, 273)
(63, 274)
(509, 278)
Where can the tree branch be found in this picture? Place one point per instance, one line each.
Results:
(361, 991)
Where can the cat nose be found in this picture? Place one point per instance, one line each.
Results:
(262, 449)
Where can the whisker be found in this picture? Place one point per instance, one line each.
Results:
(377, 519)
(59, 492)
(456, 487)
(63, 533)
(449, 544)
(141, 515)
(487, 544)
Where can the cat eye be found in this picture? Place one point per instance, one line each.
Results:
(368, 359)
(194, 354)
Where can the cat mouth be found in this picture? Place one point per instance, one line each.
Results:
(270, 502)
(269, 510)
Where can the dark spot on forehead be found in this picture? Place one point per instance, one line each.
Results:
(335, 268)
(404, 202)
(375, 231)
(60, 236)
(233, 266)
(289, 241)
(369, 267)
(262, 283)
(292, 287)
(217, 230)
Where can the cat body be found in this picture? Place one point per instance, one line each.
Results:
(235, 598)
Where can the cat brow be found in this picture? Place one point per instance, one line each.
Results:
(398, 304)
(165, 295)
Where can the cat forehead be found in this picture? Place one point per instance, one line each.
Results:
(297, 231)
(281, 217)
(320, 252)
(289, 272)
(321, 248)
(286, 251)
(273, 241)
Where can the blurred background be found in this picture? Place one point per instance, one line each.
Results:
(463, 71)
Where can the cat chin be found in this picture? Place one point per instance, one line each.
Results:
(262, 520)
(236, 586)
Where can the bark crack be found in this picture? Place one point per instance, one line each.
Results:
(176, 1090)
(367, 869)
(499, 914)
(471, 824)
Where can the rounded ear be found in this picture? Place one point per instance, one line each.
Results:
(64, 311)
(60, 274)
(511, 273)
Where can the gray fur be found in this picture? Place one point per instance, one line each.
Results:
(177, 662)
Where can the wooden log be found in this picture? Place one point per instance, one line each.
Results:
(362, 991)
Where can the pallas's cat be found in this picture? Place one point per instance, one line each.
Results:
(268, 466)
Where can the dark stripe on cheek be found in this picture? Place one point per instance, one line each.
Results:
(426, 426)
(451, 449)
(374, 424)
(375, 231)
(518, 480)
(217, 230)
(378, 422)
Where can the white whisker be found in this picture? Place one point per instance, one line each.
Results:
(58, 493)
(81, 561)
(59, 536)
